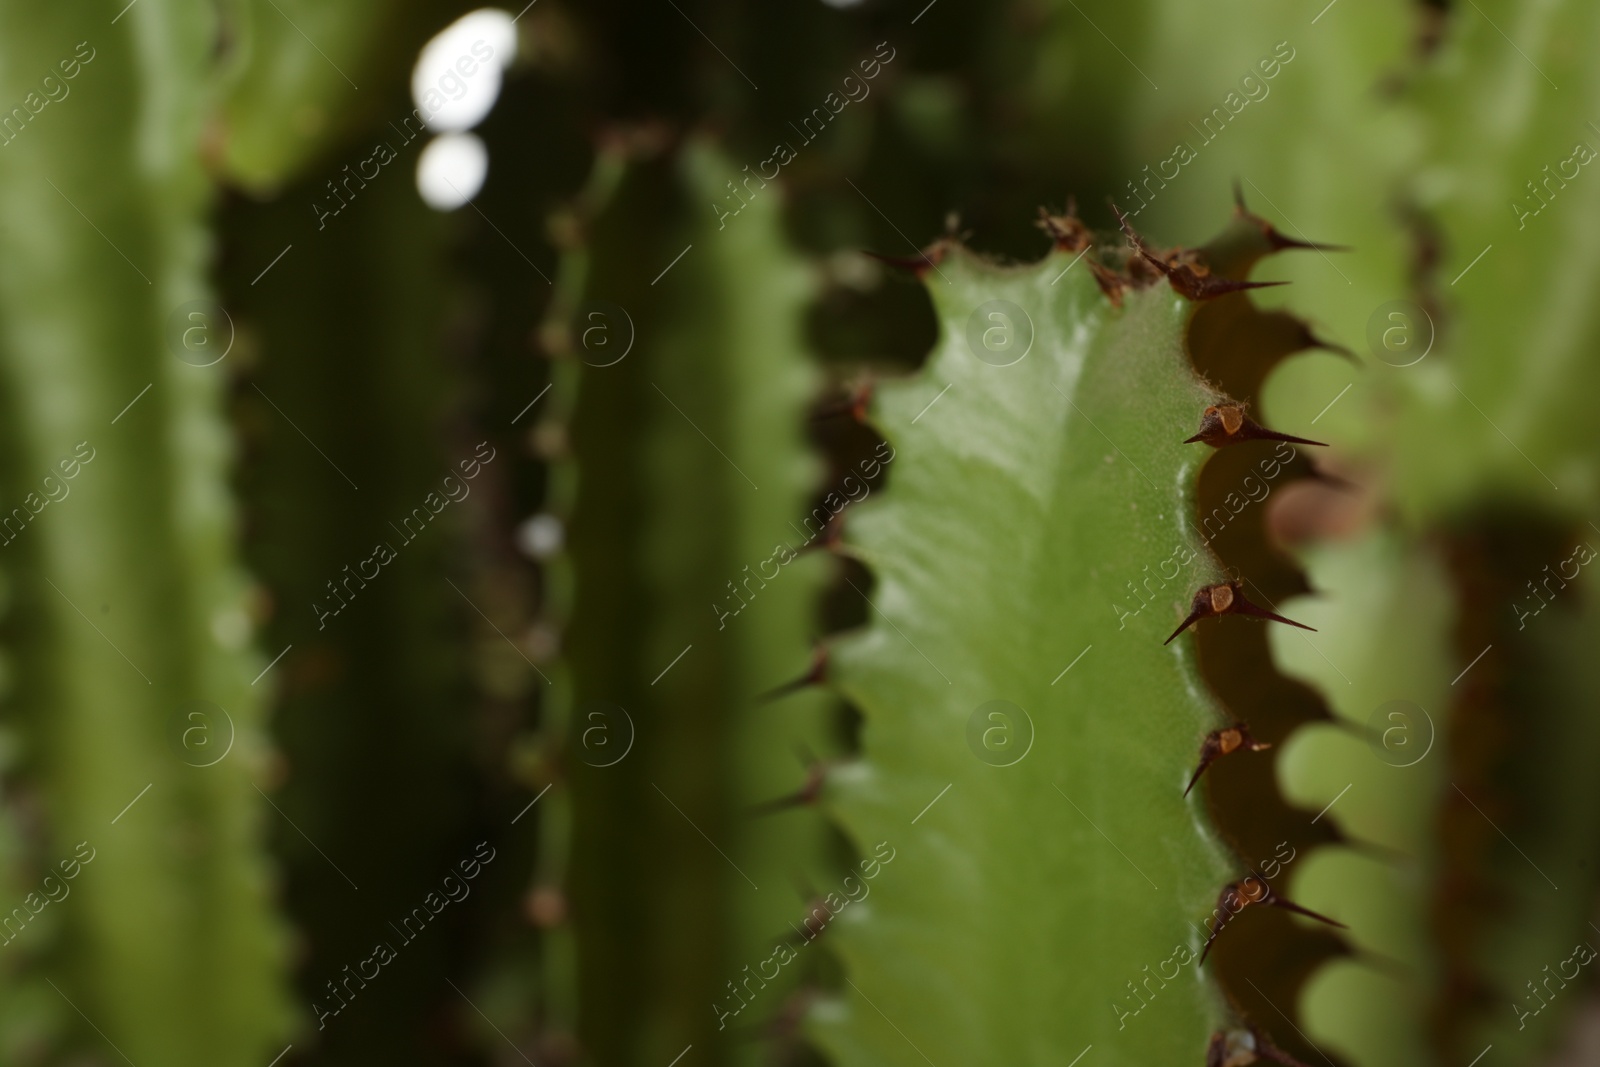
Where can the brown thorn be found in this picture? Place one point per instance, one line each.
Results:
(833, 533)
(1183, 270)
(1237, 896)
(861, 398)
(1226, 598)
(1135, 241)
(806, 795)
(1311, 340)
(916, 265)
(1205, 950)
(814, 675)
(816, 930)
(829, 411)
(1273, 236)
(1227, 424)
(1219, 743)
(1209, 286)
(828, 539)
(1217, 1050)
(1111, 283)
(1067, 231)
(1279, 241)
(1241, 606)
(1275, 901)
(1195, 615)
(1243, 1047)
(1254, 431)
(854, 403)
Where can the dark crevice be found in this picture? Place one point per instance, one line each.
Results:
(1433, 20)
(1527, 623)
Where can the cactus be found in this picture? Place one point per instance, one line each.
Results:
(165, 949)
(140, 668)
(1027, 736)
(687, 474)
(1460, 810)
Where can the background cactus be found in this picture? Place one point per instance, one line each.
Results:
(134, 606)
(688, 336)
(1452, 864)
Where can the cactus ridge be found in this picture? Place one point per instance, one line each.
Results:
(1081, 434)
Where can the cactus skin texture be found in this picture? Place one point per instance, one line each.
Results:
(1460, 456)
(1028, 502)
(661, 923)
(166, 941)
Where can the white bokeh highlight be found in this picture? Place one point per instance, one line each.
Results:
(451, 170)
(457, 77)
(454, 86)
(541, 536)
